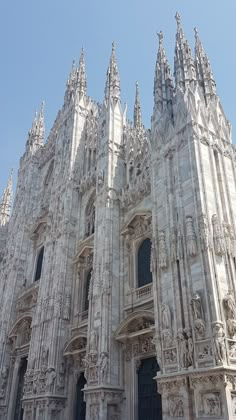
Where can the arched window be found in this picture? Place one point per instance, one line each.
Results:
(39, 265)
(86, 291)
(144, 261)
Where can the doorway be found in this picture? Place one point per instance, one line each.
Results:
(80, 403)
(149, 401)
(19, 412)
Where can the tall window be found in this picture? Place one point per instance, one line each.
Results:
(144, 262)
(86, 295)
(39, 265)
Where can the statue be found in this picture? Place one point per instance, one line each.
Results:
(183, 349)
(93, 342)
(230, 313)
(190, 347)
(191, 238)
(198, 315)
(219, 343)
(166, 316)
(103, 367)
(50, 379)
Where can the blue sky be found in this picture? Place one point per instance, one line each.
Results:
(38, 41)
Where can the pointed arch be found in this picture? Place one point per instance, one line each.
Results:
(139, 322)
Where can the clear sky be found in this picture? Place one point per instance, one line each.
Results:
(39, 39)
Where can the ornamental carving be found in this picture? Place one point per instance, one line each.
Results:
(211, 404)
(218, 239)
(176, 407)
(190, 237)
(3, 381)
(204, 231)
(163, 262)
(230, 242)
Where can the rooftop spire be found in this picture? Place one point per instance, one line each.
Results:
(112, 89)
(163, 85)
(137, 109)
(203, 68)
(6, 201)
(36, 133)
(184, 68)
(81, 80)
(40, 125)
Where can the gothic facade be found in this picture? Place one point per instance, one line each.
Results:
(118, 259)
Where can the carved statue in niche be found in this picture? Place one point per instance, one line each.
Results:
(45, 353)
(212, 404)
(190, 355)
(198, 315)
(230, 313)
(25, 333)
(204, 231)
(166, 317)
(183, 349)
(93, 342)
(162, 250)
(61, 376)
(66, 309)
(3, 381)
(103, 367)
(219, 343)
(191, 238)
(50, 379)
(219, 244)
(157, 343)
(100, 180)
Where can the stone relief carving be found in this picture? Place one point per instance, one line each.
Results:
(204, 231)
(94, 412)
(219, 348)
(190, 237)
(176, 407)
(211, 404)
(230, 241)
(100, 180)
(61, 376)
(218, 240)
(198, 315)
(163, 262)
(3, 381)
(230, 313)
(167, 326)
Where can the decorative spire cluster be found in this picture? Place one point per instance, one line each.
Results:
(112, 89)
(163, 84)
(203, 69)
(6, 201)
(36, 133)
(184, 66)
(137, 110)
(77, 82)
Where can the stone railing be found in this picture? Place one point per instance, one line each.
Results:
(139, 295)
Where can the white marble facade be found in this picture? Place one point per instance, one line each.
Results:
(75, 314)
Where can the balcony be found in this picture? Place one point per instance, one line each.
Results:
(139, 296)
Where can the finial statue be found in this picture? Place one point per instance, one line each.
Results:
(178, 19)
(160, 36)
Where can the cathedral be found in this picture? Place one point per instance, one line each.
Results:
(118, 255)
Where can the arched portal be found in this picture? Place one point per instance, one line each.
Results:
(149, 401)
(80, 403)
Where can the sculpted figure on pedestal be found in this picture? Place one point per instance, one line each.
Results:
(198, 315)
(219, 343)
(103, 367)
(230, 313)
(183, 349)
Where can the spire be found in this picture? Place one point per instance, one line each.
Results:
(203, 68)
(112, 89)
(163, 84)
(137, 110)
(6, 201)
(36, 133)
(70, 85)
(40, 126)
(81, 80)
(184, 68)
